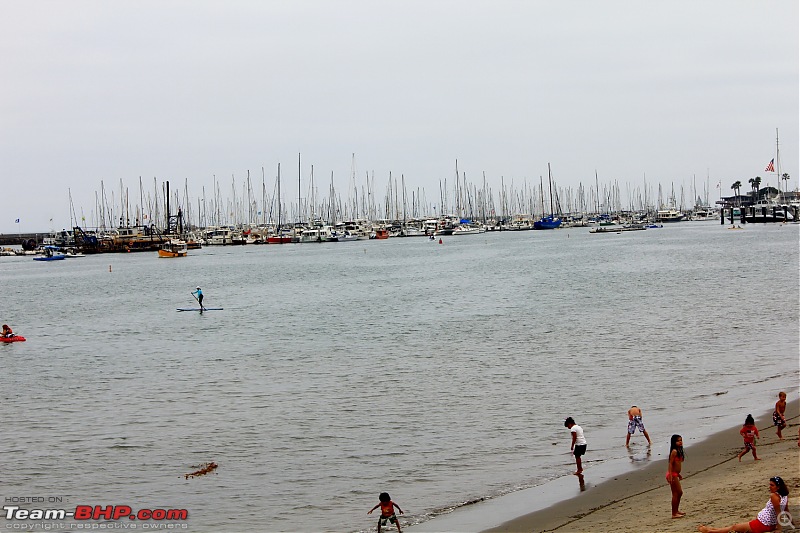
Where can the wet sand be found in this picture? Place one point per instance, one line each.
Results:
(718, 490)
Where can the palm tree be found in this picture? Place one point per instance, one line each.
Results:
(785, 177)
(756, 186)
(736, 186)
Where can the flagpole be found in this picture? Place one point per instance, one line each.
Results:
(778, 161)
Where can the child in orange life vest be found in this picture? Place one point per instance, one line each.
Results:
(387, 511)
(7, 331)
(750, 433)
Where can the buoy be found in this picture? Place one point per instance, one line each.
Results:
(109, 268)
(440, 241)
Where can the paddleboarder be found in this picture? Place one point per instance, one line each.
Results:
(199, 295)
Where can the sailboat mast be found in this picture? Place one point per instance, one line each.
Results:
(550, 179)
(279, 199)
(299, 217)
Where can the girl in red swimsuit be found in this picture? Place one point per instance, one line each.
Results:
(674, 477)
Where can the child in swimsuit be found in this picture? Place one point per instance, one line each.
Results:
(779, 415)
(674, 477)
(749, 432)
(387, 511)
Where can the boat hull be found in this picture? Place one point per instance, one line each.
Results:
(14, 338)
(168, 253)
(547, 223)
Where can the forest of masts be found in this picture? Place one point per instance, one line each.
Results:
(245, 203)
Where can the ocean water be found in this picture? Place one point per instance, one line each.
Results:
(438, 373)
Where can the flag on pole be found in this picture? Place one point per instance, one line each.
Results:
(770, 167)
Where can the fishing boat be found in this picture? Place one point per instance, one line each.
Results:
(50, 254)
(173, 248)
(13, 338)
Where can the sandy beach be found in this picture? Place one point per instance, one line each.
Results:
(718, 490)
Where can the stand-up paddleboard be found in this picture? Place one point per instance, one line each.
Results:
(15, 338)
(198, 309)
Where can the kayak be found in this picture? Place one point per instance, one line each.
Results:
(14, 338)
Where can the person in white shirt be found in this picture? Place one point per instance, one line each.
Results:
(578, 447)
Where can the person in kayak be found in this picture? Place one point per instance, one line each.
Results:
(7, 332)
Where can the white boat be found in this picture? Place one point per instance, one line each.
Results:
(468, 230)
(317, 234)
(348, 236)
(219, 236)
(669, 215)
(412, 231)
(705, 213)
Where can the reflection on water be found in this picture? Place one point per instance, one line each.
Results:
(639, 455)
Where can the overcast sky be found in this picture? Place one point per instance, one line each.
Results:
(672, 92)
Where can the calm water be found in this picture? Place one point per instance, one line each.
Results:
(438, 373)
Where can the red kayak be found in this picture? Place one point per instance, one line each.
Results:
(13, 338)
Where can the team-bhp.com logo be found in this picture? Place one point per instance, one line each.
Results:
(95, 512)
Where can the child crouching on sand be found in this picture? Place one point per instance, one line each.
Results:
(749, 432)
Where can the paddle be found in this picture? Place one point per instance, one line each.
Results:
(198, 301)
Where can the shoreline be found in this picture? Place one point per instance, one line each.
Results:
(718, 490)
(640, 500)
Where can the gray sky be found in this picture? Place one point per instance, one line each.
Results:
(669, 91)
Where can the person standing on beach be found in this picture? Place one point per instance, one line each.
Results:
(750, 433)
(768, 517)
(779, 415)
(578, 446)
(674, 477)
(634, 422)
